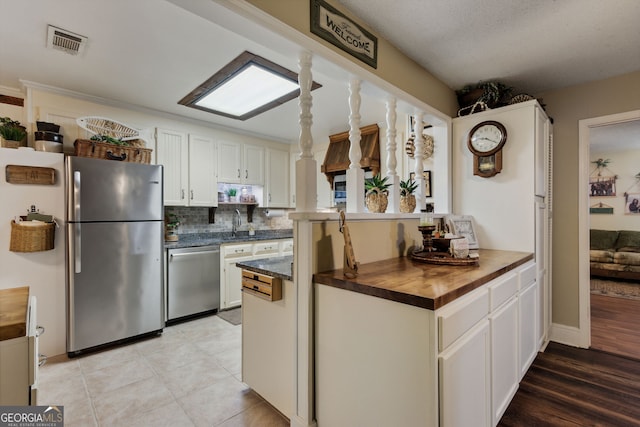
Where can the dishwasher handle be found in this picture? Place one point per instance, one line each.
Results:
(185, 254)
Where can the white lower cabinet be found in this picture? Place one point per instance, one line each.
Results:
(504, 357)
(231, 276)
(528, 322)
(465, 381)
(459, 365)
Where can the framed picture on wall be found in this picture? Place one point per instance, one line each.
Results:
(632, 204)
(602, 186)
(426, 176)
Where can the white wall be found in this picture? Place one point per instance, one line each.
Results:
(624, 164)
(43, 272)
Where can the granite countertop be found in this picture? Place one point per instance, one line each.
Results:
(424, 285)
(211, 239)
(281, 266)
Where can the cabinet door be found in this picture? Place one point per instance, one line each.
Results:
(277, 182)
(229, 161)
(203, 184)
(504, 357)
(541, 139)
(253, 165)
(232, 283)
(464, 380)
(172, 152)
(528, 324)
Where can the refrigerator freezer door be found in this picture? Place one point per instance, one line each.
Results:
(107, 190)
(115, 282)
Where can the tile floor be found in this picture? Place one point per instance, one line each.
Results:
(188, 376)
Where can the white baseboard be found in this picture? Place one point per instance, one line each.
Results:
(568, 335)
(299, 422)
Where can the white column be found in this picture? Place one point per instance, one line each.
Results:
(306, 175)
(355, 174)
(418, 166)
(392, 174)
(304, 386)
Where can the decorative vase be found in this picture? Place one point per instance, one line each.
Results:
(171, 234)
(407, 203)
(376, 201)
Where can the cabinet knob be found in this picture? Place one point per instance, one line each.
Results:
(238, 173)
(182, 194)
(246, 174)
(191, 194)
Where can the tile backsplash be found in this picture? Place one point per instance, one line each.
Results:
(196, 219)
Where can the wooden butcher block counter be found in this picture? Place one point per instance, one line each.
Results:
(424, 285)
(14, 304)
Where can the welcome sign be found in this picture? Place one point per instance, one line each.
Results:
(328, 23)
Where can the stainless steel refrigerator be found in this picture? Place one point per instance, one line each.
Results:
(115, 246)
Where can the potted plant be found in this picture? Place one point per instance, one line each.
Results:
(492, 93)
(407, 198)
(231, 193)
(376, 196)
(12, 134)
(171, 223)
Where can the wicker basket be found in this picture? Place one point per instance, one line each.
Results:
(32, 238)
(104, 150)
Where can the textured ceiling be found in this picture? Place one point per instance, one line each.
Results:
(532, 45)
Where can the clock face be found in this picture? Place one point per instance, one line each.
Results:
(487, 137)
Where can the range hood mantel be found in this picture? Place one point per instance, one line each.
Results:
(336, 161)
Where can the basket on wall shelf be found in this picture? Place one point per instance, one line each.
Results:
(107, 151)
(31, 236)
(133, 150)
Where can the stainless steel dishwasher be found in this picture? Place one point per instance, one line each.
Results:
(193, 281)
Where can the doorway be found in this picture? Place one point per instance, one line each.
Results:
(609, 302)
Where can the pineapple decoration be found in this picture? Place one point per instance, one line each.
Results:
(377, 191)
(407, 198)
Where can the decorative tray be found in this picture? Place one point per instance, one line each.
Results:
(442, 258)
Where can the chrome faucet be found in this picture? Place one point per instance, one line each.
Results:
(236, 222)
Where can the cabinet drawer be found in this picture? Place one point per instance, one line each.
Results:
(527, 275)
(501, 289)
(286, 247)
(266, 287)
(455, 320)
(266, 248)
(237, 250)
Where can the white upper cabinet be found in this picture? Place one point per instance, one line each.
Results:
(172, 152)
(277, 182)
(189, 168)
(203, 184)
(229, 161)
(253, 164)
(240, 163)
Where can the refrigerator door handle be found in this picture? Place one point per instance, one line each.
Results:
(77, 249)
(76, 195)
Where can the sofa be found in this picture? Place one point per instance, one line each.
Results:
(615, 254)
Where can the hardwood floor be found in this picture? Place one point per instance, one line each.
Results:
(568, 386)
(615, 325)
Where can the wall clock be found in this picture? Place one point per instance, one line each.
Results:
(485, 142)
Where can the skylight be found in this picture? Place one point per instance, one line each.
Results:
(244, 88)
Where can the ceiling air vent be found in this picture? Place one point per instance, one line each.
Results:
(66, 41)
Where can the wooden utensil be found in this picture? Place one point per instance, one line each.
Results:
(350, 264)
